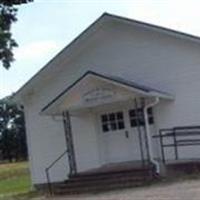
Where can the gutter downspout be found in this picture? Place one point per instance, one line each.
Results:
(149, 139)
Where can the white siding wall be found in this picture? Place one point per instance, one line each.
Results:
(46, 142)
(143, 56)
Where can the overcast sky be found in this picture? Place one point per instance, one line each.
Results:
(46, 26)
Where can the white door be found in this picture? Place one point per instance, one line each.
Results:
(119, 140)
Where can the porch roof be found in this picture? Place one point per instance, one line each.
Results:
(117, 81)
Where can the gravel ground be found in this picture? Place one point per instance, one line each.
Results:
(185, 190)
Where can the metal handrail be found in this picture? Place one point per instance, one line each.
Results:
(176, 133)
(47, 170)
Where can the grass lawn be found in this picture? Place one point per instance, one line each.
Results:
(15, 181)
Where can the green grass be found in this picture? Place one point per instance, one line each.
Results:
(15, 181)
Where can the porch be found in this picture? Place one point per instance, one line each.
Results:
(117, 167)
(108, 124)
(106, 120)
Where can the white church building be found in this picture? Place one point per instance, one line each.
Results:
(122, 92)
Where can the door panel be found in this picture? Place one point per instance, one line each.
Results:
(119, 140)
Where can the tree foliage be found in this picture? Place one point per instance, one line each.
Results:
(8, 15)
(12, 131)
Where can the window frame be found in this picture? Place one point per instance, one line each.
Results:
(112, 121)
(133, 119)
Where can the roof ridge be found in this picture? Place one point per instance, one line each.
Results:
(151, 25)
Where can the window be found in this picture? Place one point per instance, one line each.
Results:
(112, 121)
(150, 115)
(136, 117)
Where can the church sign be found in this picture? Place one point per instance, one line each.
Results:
(98, 95)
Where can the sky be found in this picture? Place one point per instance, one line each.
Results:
(44, 27)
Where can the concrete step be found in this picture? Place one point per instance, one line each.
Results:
(136, 174)
(88, 183)
(102, 182)
(98, 188)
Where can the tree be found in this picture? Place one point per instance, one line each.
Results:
(12, 131)
(8, 12)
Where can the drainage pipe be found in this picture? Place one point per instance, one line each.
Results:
(149, 138)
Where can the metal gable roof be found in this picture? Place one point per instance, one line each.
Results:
(121, 81)
(102, 19)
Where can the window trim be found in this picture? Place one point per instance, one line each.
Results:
(112, 121)
(133, 119)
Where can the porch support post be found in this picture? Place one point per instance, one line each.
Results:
(146, 144)
(69, 142)
(139, 133)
